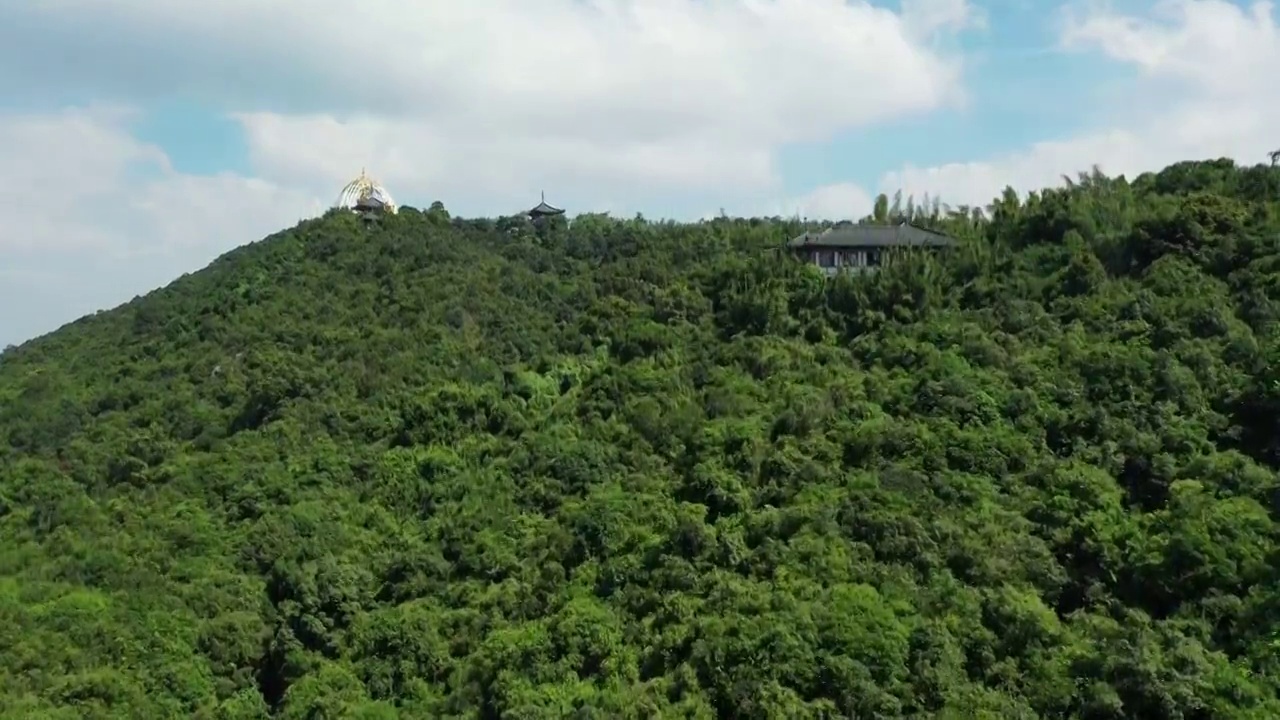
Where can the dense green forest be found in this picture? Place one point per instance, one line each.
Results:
(455, 468)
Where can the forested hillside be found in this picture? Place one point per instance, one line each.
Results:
(445, 468)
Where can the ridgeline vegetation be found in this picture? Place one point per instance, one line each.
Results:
(452, 468)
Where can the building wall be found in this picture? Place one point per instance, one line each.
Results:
(833, 260)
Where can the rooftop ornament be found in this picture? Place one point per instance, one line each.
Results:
(364, 195)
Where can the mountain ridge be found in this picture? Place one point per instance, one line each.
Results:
(445, 467)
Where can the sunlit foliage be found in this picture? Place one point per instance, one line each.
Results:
(439, 468)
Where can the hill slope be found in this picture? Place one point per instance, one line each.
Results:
(464, 469)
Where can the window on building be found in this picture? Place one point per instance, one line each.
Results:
(826, 258)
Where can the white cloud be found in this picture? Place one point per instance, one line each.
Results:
(473, 172)
(841, 201)
(1207, 68)
(926, 17)
(94, 217)
(493, 98)
(837, 201)
(604, 70)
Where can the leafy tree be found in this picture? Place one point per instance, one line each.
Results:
(448, 467)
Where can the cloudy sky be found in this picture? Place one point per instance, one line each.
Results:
(139, 139)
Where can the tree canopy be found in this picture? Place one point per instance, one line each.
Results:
(434, 467)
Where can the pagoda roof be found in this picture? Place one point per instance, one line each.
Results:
(543, 208)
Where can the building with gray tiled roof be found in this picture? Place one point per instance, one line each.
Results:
(542, 210)
(850, 246)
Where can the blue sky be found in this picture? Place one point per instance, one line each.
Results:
(180, 132)
(199, 138)
(1022, 87)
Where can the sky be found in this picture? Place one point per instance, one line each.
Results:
(140, 139)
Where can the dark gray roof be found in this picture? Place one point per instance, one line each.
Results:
(544, 209)
(849, 235)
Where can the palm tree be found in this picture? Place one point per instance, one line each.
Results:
(1275, 157)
